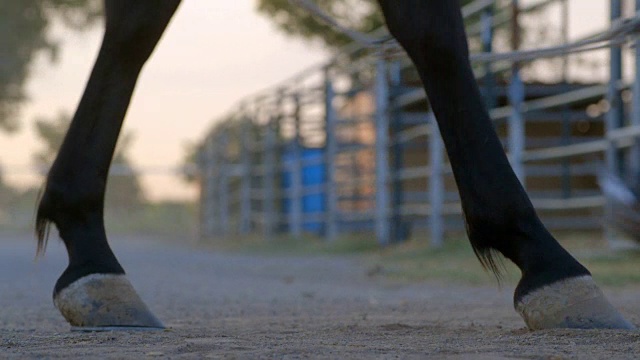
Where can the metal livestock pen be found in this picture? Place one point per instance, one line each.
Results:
(351, 145)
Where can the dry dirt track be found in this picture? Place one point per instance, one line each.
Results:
(239, 306)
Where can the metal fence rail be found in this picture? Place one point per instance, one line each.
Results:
(353, 146)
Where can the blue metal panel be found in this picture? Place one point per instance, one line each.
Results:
(312, 173)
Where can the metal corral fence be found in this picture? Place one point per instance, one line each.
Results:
(353, 146)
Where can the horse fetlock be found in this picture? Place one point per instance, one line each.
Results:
(66, 207)
(59, 202)
(575, 302)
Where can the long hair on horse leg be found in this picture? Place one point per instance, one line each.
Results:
(42, 224)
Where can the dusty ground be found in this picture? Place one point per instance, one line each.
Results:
(240, 306)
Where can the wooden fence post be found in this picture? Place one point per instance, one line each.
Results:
(382, 152)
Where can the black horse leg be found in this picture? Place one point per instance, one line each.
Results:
(92, 291)
(555, 289)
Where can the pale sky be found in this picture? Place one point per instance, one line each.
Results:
(214, 54)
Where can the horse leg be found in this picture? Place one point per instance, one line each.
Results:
(93, 291)
(555, 289)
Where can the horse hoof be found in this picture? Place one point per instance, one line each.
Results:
(571, 303)
(101, 302)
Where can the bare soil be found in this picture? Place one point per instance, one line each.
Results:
(224, 305)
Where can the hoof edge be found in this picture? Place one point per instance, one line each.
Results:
(114, 328)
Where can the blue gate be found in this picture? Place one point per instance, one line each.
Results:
(313, 174)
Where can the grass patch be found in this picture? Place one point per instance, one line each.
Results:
(619, 268)
(165, 218)
(455, 262)
(609, 267)
(411, 261)
(303, 245)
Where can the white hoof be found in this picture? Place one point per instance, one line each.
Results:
(101, 301)
(570, 303)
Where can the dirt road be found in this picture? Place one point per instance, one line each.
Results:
(241, 306)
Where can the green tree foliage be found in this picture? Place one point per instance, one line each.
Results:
(296, 21)
(24, 32)
(123, 189)
(361, 15)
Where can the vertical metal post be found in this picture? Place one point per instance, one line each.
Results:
(564, 28)
(615, 117)
(201, 163)
(331, 215)
(395, 73)
(398, 228)
(635, 116)
(208, 189)
(566, 109)
(487, 46)
(382, 152)
(436, 184)
(269, 166)
(215, 185)
(295, 191)
(223, 189)
(245, 182)
(516, 97)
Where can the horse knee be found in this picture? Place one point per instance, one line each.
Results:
(68, 200)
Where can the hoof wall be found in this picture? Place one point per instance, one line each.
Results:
(571, 303)
(104, 302)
